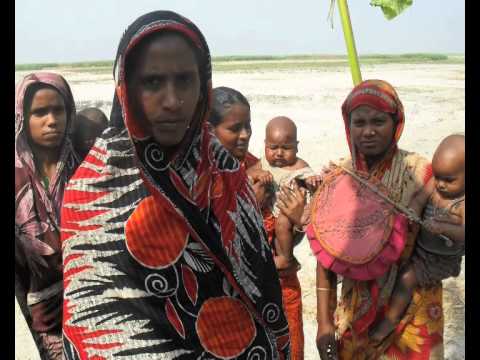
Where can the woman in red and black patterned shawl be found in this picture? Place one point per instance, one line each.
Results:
(164, 251)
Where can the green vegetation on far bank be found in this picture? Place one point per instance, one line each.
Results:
(255, 63)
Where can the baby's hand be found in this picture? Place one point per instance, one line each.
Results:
(260, 176)
(313, 182)
(326, 169)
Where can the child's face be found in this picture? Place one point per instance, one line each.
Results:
(86, 132)
(47, 118)
(281, 147)
(234, 130)
(449, 178)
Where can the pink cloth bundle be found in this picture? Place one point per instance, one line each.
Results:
(353, 231)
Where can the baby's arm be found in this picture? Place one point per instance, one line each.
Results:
(453, 228)
(420, 199)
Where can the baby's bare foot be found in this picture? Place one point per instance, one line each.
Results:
(286, 266)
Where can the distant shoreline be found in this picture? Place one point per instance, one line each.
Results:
(241, 62)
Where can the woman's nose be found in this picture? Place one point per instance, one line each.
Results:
(171, 99)
(52, 119)
(244, 134)
(369, 131)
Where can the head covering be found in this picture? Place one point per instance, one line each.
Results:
(37, 210)
(166, 257)
(381, 96)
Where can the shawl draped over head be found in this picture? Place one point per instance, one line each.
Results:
(38, 261)
(166, 258)
(362, 303)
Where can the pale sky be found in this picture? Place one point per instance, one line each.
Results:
(88, 30)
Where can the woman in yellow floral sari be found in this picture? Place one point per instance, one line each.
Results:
(374, 120)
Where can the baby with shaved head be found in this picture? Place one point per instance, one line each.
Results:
(286, 180)
(89, 124)
(281, 167)
(440, 244)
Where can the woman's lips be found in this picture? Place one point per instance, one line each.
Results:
(369, 143)
(52, 134)
(168, 124)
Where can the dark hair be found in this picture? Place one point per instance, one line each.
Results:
(222, 100)
(94, 114)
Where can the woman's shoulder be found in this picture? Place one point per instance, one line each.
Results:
(415, 164)
(109, 167)
(413, 158)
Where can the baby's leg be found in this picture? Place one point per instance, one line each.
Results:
(402, 293)
(284, 259)
(401, 297)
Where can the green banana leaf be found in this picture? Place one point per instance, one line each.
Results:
(391, 8)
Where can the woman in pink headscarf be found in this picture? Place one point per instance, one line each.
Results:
(44, 161)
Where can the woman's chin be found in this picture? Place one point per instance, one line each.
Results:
(240, 153)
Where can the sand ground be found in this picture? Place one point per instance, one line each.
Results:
(434, 99)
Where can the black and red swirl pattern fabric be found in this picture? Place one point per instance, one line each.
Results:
(166, 259)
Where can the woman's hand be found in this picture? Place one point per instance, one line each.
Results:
(326, 343)
(292, 203)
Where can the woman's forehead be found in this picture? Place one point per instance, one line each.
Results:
(367, 110)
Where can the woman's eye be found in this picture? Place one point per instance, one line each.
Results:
(40, 112)
(185, 79)
(358, 123)
(59, 110)
(152, 83)
(236, 128)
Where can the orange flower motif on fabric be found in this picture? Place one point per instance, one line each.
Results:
(155, 237)
(410, 339)
(225, 327)
(430, 312)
